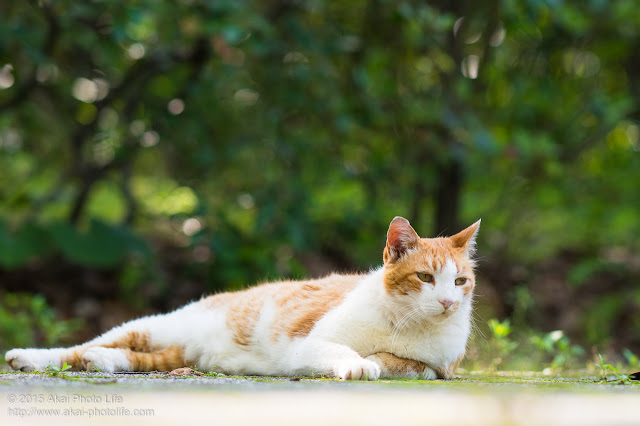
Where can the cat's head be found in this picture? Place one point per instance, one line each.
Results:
(433, 276)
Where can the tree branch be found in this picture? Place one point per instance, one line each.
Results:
(50, 41)
(134, 82)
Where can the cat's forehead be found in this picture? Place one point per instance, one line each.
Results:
(438, 264)
(438, 253)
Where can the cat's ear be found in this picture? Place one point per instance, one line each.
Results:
(467, 239)
(401, 238)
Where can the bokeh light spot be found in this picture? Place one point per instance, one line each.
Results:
(6, 77)
(85, 90)
(136, 51)
(149, 139)
(176, 106)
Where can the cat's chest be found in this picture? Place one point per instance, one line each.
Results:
(435, 344)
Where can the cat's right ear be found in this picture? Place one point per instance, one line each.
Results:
(401, 238)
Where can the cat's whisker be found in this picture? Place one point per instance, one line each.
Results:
(416, 311)
(413, 313)
(401, 313)
(474, 324)
(400, 324)
(396, 329)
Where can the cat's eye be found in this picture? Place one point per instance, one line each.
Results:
(427, 278)
(461, 281)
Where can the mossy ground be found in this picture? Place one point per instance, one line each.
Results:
(574, 380)
(504, 398)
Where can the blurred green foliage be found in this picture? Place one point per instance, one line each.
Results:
(27, 321)
(524, 349)
(253, 135)
(558, 345)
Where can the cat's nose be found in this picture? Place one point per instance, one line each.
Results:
(446, 303)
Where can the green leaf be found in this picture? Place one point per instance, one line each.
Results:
(16, 249)
(102, 245)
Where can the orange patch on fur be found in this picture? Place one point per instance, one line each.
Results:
(244, 313)
(218, 300)
(306, 302)
(134, 340)
(243, 310)
(299, 305)
(74, 359)
(399, 367)
(166, 359)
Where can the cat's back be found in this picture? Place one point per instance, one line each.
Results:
(284, 309)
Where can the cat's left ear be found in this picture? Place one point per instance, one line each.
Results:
(401, 238)
(466, 239)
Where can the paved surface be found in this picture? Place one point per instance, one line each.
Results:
(159, 399)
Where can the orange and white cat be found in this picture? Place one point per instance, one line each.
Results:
(409, 318)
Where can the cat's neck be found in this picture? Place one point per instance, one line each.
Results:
(375, 299)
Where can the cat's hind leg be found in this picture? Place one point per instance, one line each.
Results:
(110, 360)
(32, 359)
(140, 345)
(129, 347)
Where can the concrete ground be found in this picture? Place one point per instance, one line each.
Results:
(159, 399)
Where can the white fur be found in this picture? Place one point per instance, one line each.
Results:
(35, 359)
(367, 322)
(108, 360)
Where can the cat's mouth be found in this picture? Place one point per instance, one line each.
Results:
(444, 314)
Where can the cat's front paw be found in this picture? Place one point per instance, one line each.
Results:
(107, 360)
(357, 369)
(32, 359)
(428, 374)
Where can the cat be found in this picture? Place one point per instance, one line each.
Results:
(409, 318)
